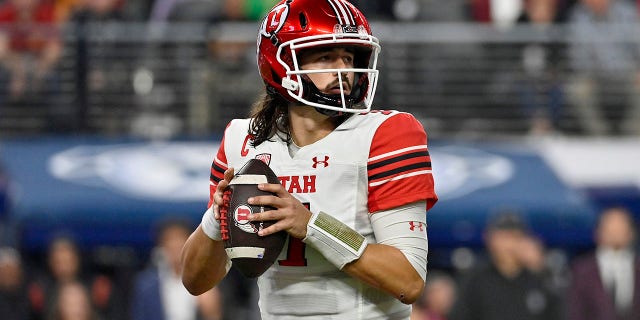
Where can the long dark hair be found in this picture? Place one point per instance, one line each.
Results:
(269, 116)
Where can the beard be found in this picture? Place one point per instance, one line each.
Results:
(346, 86)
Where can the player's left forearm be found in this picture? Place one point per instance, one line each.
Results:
(386, 268)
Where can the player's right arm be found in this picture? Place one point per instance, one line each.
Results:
(204, 260)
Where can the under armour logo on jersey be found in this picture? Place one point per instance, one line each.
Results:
(413, 226)
(316, 162)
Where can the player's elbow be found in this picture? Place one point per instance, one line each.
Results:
(193, 287)
(190, 280)
(192, 290)
(195, 283)
(412, 292)
(200, 281)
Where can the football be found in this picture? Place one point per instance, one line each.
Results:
(250, 253)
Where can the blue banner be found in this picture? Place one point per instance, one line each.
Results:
(112, 192)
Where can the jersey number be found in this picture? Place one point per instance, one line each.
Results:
(295, 251)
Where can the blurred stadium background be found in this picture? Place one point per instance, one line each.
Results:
(119, 134)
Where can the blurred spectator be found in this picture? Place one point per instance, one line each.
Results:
(550, 266)
(256, 9)
(534, 257)
(65, 266)
(13, 295)
(378, 9)
(605, 93)
(4, 196)
(65, 8)
(540, 82)
(72, 302)
(102, 79)
(529, 72)
(505, 12)
(159, 292)
(97, 11)
(231, 53)
(169, 63)
(505, 289)
(209, 10)
(532, 254)
(437, 298)
(29, 32)
(183, 10)
(30, 49)
(435, 10)
(502, 13)
(7, 231)
(230, 67)
(605, 284)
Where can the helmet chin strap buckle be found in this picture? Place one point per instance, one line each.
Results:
(289, 84)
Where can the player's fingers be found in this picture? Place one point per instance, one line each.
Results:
(276, 188)
(223, 184)
(220, 188)
(217, 197)
(265, 216)
(216, 213)
(286, 225)
(271, 229)
(272, 201)
(228, 174)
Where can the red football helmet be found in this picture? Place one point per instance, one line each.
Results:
(295, 25)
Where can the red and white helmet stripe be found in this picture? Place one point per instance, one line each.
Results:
(345, 17)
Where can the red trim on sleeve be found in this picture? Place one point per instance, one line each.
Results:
(399, 166)
(218, 166)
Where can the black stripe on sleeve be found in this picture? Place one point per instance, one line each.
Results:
(400, 169)
(398, 158)
(218, 169)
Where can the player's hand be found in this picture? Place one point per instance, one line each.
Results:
(222, 186)
(291, 214)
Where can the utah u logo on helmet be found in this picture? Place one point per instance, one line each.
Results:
(296, 25)
(273, 22)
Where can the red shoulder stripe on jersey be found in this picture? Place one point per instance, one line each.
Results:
(217, 171)
(218, 166)
(398, 163)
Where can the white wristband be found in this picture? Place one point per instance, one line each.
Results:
(210, 225)
(336, 241)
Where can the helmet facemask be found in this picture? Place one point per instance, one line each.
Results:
(363, 86)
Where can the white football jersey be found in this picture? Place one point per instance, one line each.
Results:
(371, 162)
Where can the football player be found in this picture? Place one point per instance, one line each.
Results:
(355, 183)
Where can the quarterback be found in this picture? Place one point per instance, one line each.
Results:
(341, 166)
